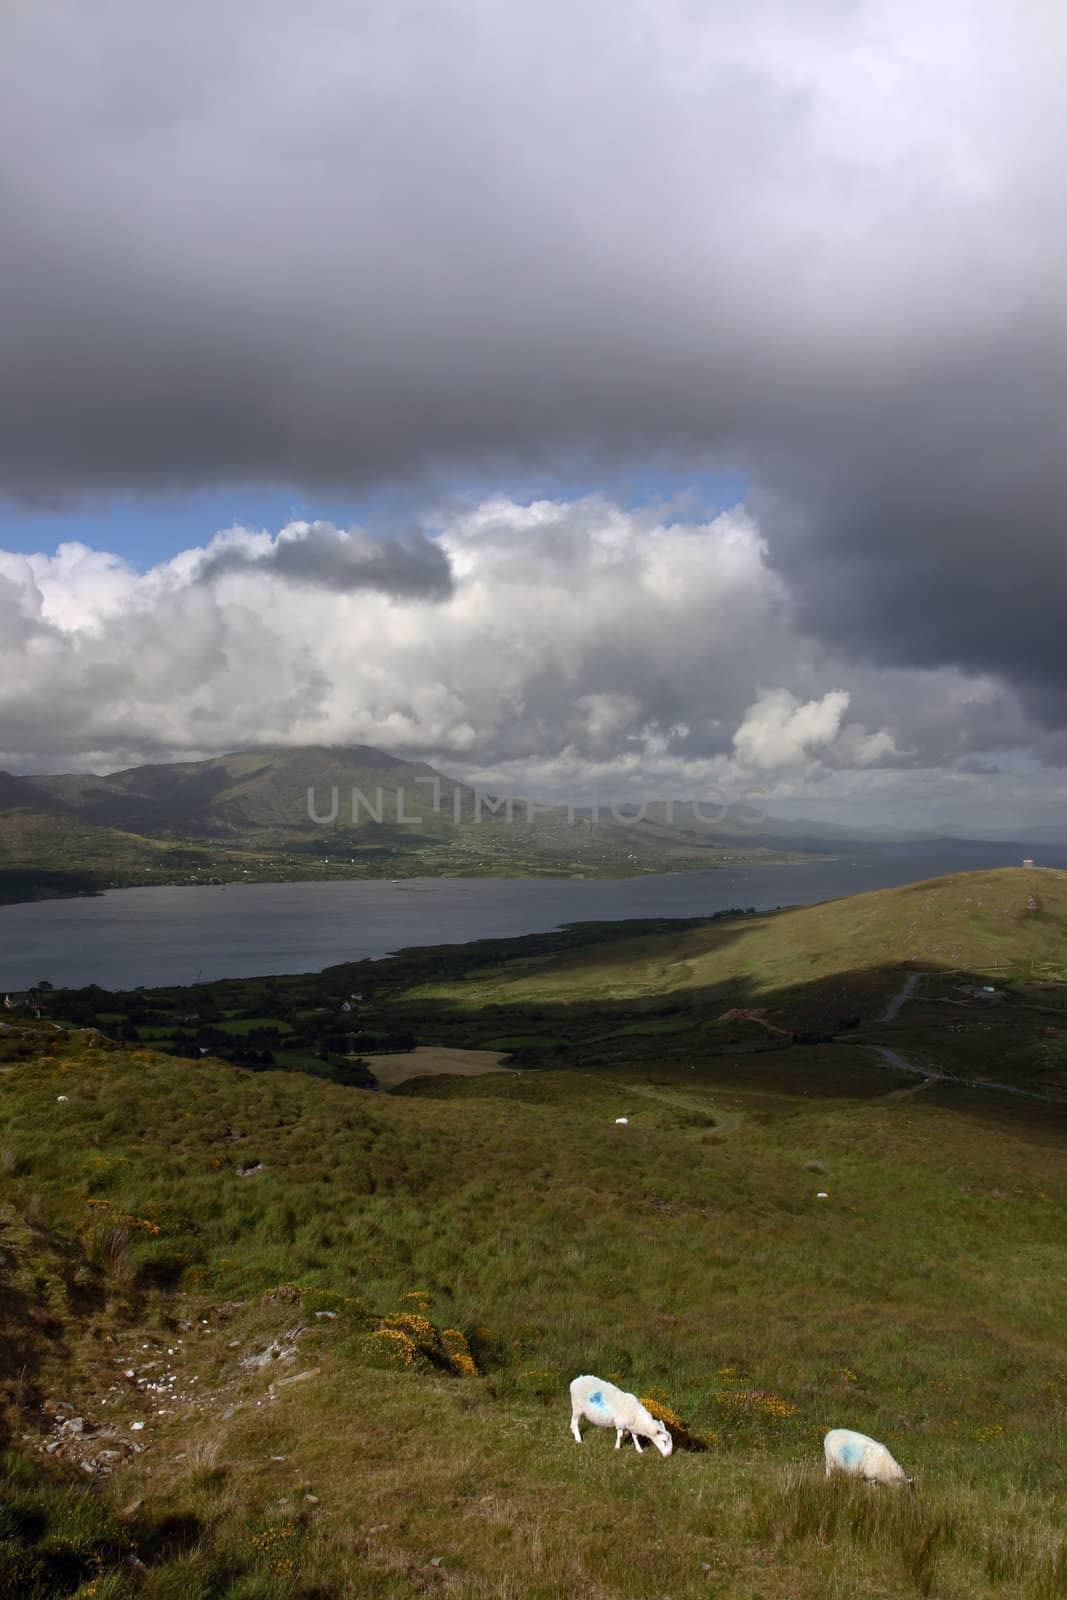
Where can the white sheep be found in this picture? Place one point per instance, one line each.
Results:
(855, 1453)
(607, 1407)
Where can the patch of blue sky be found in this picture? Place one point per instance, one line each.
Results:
(146, 529)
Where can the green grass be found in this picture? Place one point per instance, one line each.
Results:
(254, 1024)
(975, 922)
(922, 1302)
(666, 994)
(300, 1060)
(526, 1041)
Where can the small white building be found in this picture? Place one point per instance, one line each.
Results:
(1028, 862)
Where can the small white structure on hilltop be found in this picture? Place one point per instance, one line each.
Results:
(1028, 862)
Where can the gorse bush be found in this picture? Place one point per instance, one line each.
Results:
(659, 1407)
(408, 1339)
(457, 1352)
(392, 1347)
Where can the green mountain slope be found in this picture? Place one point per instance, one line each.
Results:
(248, 789)
(253, 1291)
(962, 975)
(975, 921)
(247, 814)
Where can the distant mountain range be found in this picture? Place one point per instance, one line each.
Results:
(246, 816)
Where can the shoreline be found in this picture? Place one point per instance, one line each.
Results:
(397, 876)
(183, 933)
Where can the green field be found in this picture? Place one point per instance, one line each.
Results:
(253, 1024)
(480, 1241)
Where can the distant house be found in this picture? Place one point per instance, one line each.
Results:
(23, 1002)
(981, 991)
(1028, 862)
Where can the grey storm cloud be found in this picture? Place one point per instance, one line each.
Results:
(345, 562)
(821, 245)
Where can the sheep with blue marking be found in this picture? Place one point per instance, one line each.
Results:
(605, 1406)
(854, 1453)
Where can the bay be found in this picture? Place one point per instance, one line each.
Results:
(150, 936)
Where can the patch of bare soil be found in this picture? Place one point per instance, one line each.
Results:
(431, 1061)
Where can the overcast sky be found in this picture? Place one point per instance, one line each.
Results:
(664, 393)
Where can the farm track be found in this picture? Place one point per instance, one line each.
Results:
(897, 1061)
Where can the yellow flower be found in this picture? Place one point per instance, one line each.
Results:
(419, 1329)
(656, 1403)
(394, 1346)
(458, 1351)
(757, 1401)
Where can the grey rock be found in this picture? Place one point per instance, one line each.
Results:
(297, 1377)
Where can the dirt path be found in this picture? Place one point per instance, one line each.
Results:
(725, 1121)
(898, 999)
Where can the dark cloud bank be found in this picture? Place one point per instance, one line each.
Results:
(821, 245)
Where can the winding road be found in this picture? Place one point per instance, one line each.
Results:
(894, 1059)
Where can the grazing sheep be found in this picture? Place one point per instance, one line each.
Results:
(851, 1452)
(607, 1407)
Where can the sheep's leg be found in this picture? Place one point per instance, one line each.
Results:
(637, 1442)
(577, 1432)
(619, 1433)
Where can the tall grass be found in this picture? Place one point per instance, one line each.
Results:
(922, 1303)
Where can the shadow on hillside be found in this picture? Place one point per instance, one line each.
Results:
(31, 1334)
(808, 1037)
(816, 1035)
(44, 883)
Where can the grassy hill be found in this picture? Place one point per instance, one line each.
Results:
(1009, 918)
(818, 971)
(166, 1225)
(247, 815)
(345, 1322)
(961, 975)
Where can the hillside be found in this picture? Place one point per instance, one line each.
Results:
(249, 789)
(23, 794)
(247, 815)
(812, 973)
(1008, 918)
(298, 1342)
(961, 977)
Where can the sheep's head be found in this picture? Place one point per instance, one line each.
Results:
(661, 1438)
